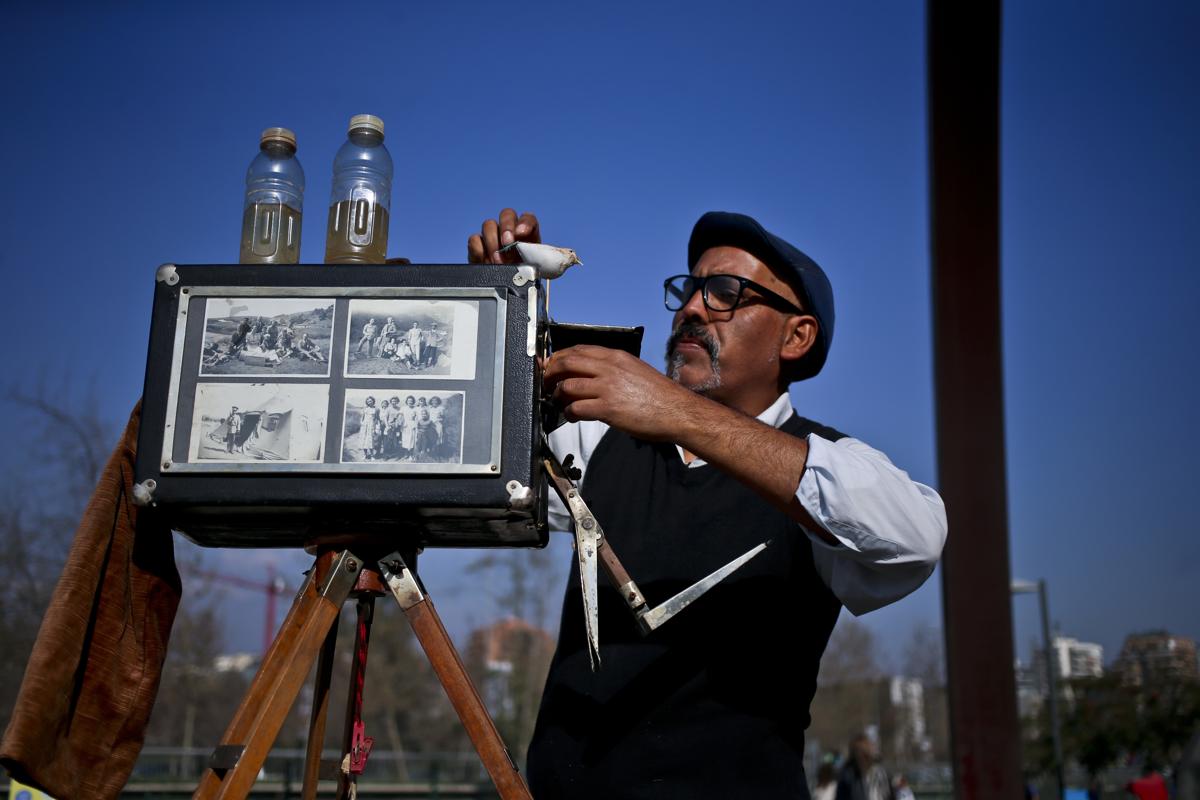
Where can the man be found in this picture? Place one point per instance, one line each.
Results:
(233, 426)
(414, 337)
(286, 339)
(238, 339)
(685, 472)
(862, 776)
(310, 349)
(435, 340)
(368, 337)
(386, 333)
(393, 425)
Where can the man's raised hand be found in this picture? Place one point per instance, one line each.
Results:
(484, 247)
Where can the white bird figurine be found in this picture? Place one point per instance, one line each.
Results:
(548, 260)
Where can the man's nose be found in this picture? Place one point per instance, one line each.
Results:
(694, 308)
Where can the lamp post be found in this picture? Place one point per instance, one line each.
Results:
(1051, 656)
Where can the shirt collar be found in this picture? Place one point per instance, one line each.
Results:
(778, 412)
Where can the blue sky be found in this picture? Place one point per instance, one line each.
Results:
(619, 124)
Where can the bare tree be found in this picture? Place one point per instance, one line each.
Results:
(851, 655)
(39, 509)
(923, 657)
(69, 443)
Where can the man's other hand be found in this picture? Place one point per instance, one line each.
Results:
(484, 247)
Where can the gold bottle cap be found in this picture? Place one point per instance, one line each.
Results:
(366, 121)
(277, 135)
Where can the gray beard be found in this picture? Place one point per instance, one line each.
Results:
(676, 361)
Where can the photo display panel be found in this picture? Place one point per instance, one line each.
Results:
(390, 380)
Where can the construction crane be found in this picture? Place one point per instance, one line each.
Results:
(274, 587)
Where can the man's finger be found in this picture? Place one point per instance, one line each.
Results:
(583, 409)
(572, 389)
(528, 228)
(570, 362)
(475, 251)
(508, 225)
(491, 241)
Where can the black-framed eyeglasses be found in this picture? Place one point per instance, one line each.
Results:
(720, 293)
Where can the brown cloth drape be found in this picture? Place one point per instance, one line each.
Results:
(81, 715)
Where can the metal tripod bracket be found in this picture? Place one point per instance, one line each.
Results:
(591, 548)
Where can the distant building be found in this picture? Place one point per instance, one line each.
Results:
(1157, 657)
(906, 705)
(509, 661)
(1071, 658)
(242, 663)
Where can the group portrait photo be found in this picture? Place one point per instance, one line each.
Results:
(412, 338)
(277, 336)
(413, 427)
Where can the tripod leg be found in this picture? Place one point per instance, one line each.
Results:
(244, 747)
(320, 710)
(453, 675)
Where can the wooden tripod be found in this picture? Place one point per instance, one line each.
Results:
(309, 631)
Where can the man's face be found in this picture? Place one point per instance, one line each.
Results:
(730, 356)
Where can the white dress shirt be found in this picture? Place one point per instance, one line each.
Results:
(890, 529)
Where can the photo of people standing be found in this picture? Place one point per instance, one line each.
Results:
(412, 338)
(414, 427)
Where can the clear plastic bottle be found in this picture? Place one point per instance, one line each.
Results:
(361, 200)
(274, 202)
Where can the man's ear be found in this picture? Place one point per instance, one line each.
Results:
(799, 336)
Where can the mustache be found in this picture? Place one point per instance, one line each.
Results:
(692, 330)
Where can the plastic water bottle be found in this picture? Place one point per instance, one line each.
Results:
(362, 196)
(274, 202)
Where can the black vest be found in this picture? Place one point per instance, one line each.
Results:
(714, 703)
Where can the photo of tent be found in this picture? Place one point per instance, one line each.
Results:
(276, 425)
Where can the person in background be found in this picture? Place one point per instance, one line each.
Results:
(1151, 786)
(826, 788)
(862, 776)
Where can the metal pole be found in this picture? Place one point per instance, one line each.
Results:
(1052, 687)
(963, 45)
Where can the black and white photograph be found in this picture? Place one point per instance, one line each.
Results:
(404, 427)
(259, 422)
(413, 338)
(276, 336)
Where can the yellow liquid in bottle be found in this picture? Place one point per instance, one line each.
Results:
(270, 234)
(357, 233)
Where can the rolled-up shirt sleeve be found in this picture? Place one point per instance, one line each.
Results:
(890, 529)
